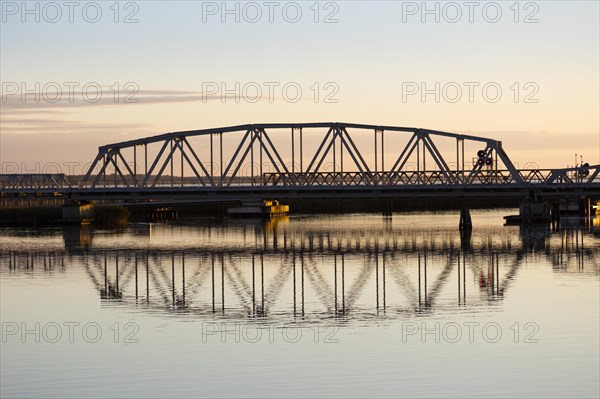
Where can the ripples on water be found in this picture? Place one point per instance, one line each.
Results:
(351, 305)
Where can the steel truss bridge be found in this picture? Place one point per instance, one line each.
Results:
(311, 160)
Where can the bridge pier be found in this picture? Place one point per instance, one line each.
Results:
(466, 229)
(388, 208)
(81, 212)
(465, 220)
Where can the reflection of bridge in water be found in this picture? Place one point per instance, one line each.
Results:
(313, 273)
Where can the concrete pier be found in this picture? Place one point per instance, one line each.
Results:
(81, 212)
(465, 220)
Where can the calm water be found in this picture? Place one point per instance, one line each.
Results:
(352, 305)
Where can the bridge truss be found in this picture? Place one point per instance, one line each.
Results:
(335, 154)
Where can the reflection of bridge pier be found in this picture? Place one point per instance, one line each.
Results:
(342, 284)
(221, 261)
(147, 281)
(77, 236)
(490, 280)
(461, 262)
(571, 241)
(377, 280)
(423, 302)
(496, 276)
(258, 310)
(294, 284)
(110, 290)
(178, 301)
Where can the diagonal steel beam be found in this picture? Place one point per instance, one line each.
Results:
(437, 157)
(348, 148)
(356, 161)
(199, 162)
(311, 163)
(239, 164)
(283, 176)
(497, 145)
(149, 173)
(91, 169)
(235, 154)
(128, 168)
(162, 169)
(118, 170)
(180, 146)
(331, 144)
(102, 171)
(284, 167)
(594, 174)
(357, 152)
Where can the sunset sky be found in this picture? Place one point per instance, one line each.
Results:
(366, 56)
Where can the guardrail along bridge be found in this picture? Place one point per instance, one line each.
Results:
(304, 161)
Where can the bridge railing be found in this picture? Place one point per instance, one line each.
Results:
(566, 176)
(32, 181)
(400, 178)
(408, 178)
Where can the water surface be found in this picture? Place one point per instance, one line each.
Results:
(344, 305)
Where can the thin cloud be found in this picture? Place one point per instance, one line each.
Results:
(40, 121)
(54, 126)
(39, 102)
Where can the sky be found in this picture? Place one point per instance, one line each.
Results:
(79, 75)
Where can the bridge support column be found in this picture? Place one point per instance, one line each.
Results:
(465, 220)
(78, 212)
(466, 228)
(388, 207)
